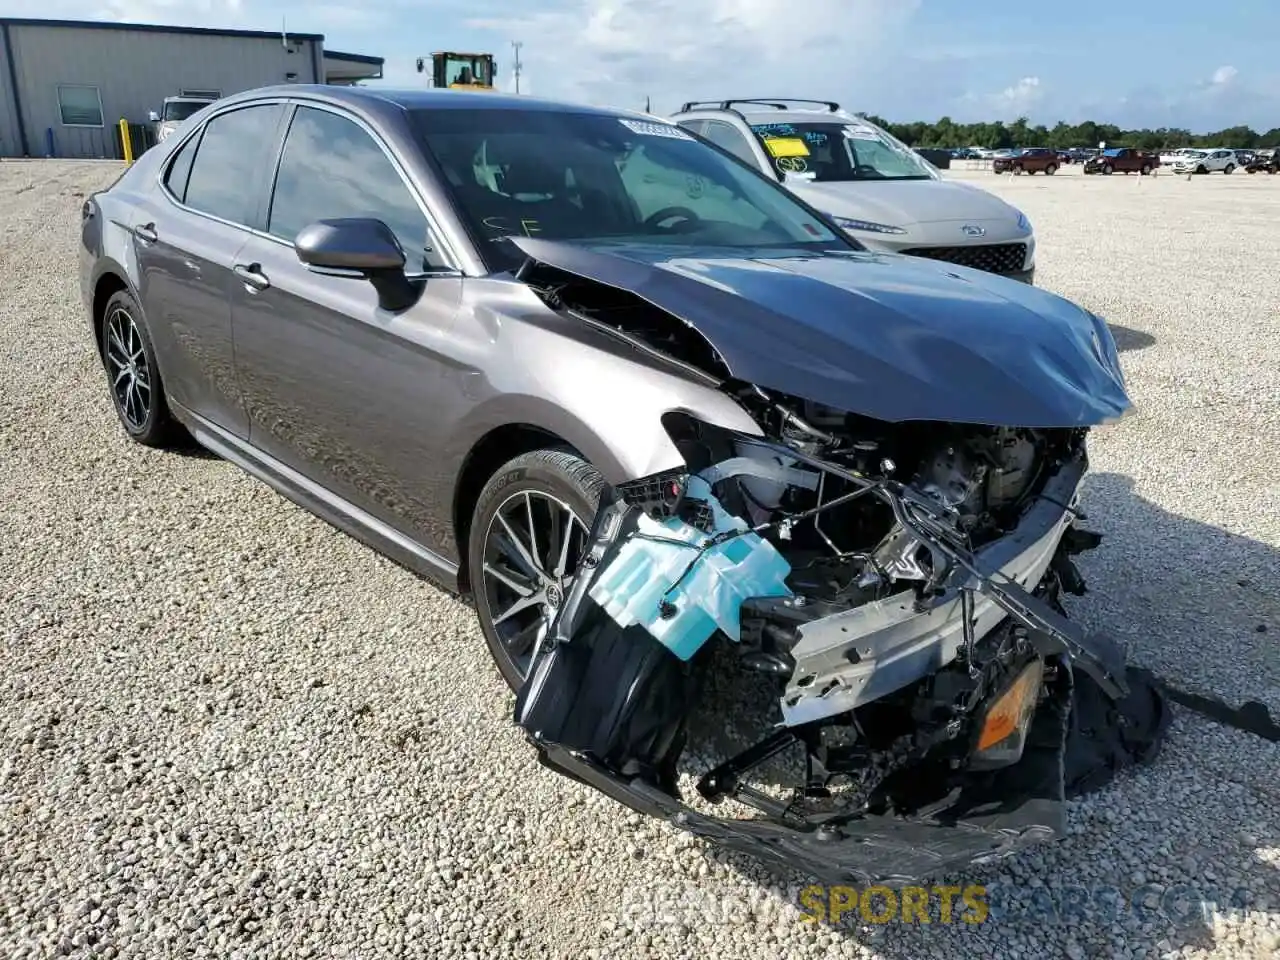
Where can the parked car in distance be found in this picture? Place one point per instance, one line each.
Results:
(1169, 157)
(173, 111)
(1030, 160)
(550, 355)
(1122, 160)
(1264, 161)
(871, 184)
(1207, 161)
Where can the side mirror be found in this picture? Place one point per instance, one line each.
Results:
(359, 247)
(153, 116)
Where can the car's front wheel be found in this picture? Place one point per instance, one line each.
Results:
(528, 534)
(1106, 169)
(1051, 169)
(137, 392)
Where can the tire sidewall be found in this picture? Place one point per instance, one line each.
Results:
(157, 414)
(522, 474)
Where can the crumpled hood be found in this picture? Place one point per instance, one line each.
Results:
(904, 202)
(890, 337)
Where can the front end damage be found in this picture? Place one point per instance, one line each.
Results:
(896, 584)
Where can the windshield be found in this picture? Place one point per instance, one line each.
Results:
(181, 109)
(579, 176)
(831, 151)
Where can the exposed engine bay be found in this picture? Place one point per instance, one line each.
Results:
(912, 628)
(897, 584)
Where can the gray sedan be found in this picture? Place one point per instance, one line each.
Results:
(639, 402)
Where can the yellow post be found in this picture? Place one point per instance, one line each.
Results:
(126, 140)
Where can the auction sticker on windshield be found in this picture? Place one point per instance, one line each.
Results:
(786, 146)
(648, 129)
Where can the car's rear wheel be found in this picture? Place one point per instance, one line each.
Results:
(137, 392)
(1051, 169)
(528, 533)
(1230, 169)
(1144, 171)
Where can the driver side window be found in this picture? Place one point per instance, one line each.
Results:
(331, 168)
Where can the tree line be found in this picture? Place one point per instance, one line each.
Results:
(946, 133)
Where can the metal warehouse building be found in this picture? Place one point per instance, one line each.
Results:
(66, 84)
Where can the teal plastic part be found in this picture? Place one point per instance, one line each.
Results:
(669, 581)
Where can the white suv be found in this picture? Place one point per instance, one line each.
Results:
(1207, 161)
(876, 188)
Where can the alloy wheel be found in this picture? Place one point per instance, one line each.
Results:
(532, 548)
(128, 368)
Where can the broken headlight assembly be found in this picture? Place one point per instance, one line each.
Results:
(897, 589)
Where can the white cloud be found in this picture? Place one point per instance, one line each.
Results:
(1019, 99)
(619, 51)
(1224, 75)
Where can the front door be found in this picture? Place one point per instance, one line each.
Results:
(351, 396)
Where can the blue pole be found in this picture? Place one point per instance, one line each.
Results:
(48, 140)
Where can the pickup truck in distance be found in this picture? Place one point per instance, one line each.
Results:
(1030, 160)
(1122, 160)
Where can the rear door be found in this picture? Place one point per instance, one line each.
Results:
(351, 396)
(186, 239)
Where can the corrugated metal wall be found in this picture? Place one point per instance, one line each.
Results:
(134, 71)
(9, 145)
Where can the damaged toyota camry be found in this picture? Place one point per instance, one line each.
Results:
(659, 419)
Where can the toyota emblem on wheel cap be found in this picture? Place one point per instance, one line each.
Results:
(972, 231)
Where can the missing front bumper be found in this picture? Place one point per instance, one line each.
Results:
(609, 702)
(990, 817)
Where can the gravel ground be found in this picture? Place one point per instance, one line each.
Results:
(229, 730)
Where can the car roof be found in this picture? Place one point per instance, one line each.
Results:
(426, 99)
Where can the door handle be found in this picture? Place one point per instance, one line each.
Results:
(146, 233)
(252, 275)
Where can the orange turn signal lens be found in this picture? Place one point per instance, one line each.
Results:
(1012, 710)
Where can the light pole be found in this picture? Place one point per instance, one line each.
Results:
(516, 45)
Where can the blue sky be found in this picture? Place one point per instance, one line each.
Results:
(1187, 63)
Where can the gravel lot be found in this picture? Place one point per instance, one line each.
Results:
(229, 730)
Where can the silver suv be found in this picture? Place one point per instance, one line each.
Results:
(874, 186)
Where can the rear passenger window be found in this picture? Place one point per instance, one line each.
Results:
(331, 168)
(227, 172)
(180, 169)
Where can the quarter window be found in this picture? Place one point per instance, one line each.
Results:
(331, 168)
(723, 135)
(227, 170)
(79, 106)
(180, 169)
